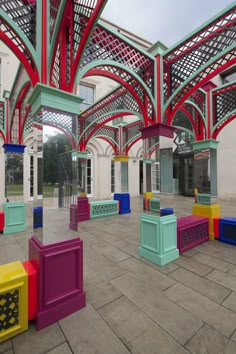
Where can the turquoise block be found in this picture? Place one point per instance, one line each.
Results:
(158, 239)
(15, 217)
(104, 208)
(155, 204)
(204, 199)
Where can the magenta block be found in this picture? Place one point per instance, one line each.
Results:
(83, 209)
(191, 231)
(73, 217)
(60, 279)
(159, 129)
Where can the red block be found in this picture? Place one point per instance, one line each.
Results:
(146, 204)
(32, 289)
(1, 221)
(216, 226)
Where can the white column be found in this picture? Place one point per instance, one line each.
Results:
(2, 175)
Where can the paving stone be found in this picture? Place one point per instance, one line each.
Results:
(212, 262)
(165, 269)
(203, 286)
(112, 253)
(233, 337)
(37, 342)
(176, 321)
(193, 266)
(96, 263)
(227, 280)
(149, 276)
(10, 351)
(61, 349)
(230, 302)
(121, 244)
(232, 271)
(5, 346)
(190, 253)
(88, 333)
(217, 316)
(208, 340)
(137, 331)
(11, 253)
(212, 249)
(100, 293)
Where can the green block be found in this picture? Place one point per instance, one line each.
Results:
(204, 199)
(155, 204)
(104, 208)
(15, 217)
(158, 239)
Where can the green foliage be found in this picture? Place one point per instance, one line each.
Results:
(55, 145)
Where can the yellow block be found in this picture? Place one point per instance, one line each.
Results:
(13, 300)
(148, 195)
(207, 211)
(121, 158)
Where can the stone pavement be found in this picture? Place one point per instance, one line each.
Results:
(134, 306)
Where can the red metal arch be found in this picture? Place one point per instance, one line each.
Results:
(83, 145)
(114, 147)
(198, 85)
(227, 121)
(73, 144)
(147, 120)
(132, 143)
(33, 75)
(183, 109)
(21, 97)
(103, 73)
(1, 133)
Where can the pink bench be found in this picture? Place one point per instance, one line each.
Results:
(191, 231)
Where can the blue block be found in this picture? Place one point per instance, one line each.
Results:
(228, 230)
(38, 217)
(124, 199)
(166, 211)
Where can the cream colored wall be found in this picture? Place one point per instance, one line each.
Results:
(8, 68)
(226, 162)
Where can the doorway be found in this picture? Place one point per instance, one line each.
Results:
(184, 173)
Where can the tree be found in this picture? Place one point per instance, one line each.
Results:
(55, 145)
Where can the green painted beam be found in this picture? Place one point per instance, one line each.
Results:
(45, 96)
(205, 144)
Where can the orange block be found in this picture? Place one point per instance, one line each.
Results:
(32, 289)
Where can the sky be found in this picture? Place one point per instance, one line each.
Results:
(167, 21)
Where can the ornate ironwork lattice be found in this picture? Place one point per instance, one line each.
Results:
(120, 98)
(58, 119)
(182, 120)
(120, 73)
(21, 78)
(54, 7)
(2, 118)
(82, 12)
(9, 309)
(104, 45)
(56, 68)
(23, 13)
(185, 59)
(224, 102)
(106, 131)
(131, 131)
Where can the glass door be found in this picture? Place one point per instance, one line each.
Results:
(90, 176)
(155, 171)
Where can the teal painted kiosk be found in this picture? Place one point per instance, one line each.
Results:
(158, 239)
